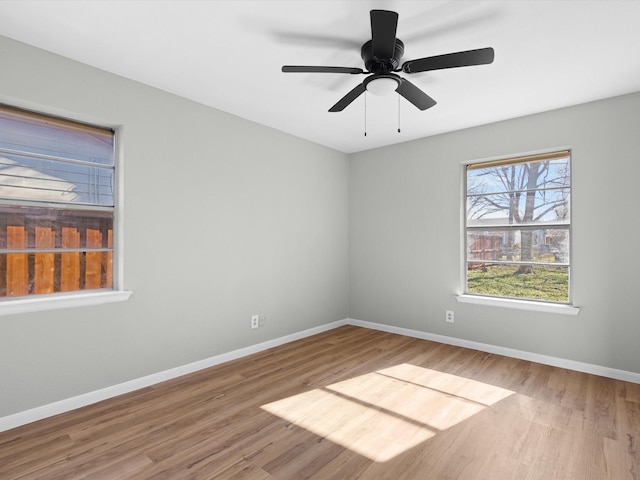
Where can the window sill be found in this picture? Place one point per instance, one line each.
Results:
(519, 304)
(54, 302)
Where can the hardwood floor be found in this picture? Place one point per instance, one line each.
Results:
(351, 403)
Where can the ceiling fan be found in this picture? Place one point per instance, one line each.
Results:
(382, 56)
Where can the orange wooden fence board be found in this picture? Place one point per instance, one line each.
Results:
(44, 263)
(17, 263)
(93, 266)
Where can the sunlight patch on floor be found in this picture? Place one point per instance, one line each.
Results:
(381, 414)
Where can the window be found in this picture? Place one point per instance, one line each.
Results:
(518, 221)
(56, 205)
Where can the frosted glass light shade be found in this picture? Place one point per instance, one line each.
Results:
(382, 86)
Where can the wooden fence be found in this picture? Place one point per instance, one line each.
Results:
(44, 263)
(484, 247)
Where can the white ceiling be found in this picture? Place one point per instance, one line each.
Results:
(228, 54)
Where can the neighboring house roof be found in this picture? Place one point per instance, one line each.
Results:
(20, 182)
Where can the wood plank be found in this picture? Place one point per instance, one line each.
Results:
(17, 263)
(44, 262)
(70, 262)
(93, 262)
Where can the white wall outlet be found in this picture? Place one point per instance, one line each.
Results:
(449, 316)
(255, 321)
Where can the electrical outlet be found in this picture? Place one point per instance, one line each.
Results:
(255, 321)
(448, 316)
(262, 320)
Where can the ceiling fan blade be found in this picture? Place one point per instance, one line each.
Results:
(348, 98)
(383, 33)
(416, 96)
(481, 56)
(313, 69)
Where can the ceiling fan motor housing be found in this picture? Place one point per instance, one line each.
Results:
(381, 65)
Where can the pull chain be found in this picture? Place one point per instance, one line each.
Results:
(365, 113)
(398, 113)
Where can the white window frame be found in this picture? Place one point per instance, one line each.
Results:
(80, 298)
(506, 302)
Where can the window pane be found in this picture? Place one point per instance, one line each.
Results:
(519, 176)
(24, 274)
(27, 178)
(47, 250)
(549, 245)
(547, 283)
(541, 206)
(39, 135)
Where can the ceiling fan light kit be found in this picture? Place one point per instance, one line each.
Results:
(382, 85)
(382, 55)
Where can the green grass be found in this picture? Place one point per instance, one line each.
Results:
(547, 283)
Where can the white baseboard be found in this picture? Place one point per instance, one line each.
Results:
(68, 404)
(39, 413)
(507, 352)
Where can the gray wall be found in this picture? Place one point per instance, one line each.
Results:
(405, 240)
(223, 218)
